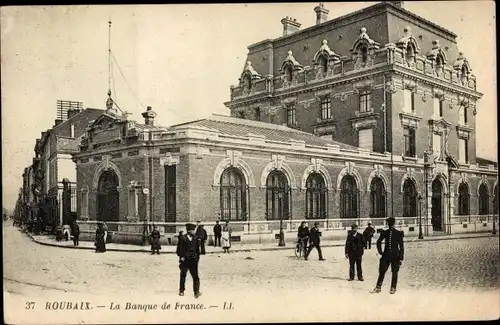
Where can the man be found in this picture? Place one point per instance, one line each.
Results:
(217, 233)
(302, 235)
(155, 241)
(76, 233)
(314, 241)
(354, 248)
(368, 235)
(392, 255)
(188, 250)
(202, 236)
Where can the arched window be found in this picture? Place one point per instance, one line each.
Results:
(233, 200)
(289, 72)
(363, 53)
(439, 63)
(483, 200)
(348, 198)
(378, 197)
(463, 199)
(247, 82)
(277, 196)
(409, 199)
(410, 53)
(324, 64)
(465, 74)
(316, 194)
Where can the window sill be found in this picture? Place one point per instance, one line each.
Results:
(409, 158)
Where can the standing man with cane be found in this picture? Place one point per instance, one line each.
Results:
(392, 255)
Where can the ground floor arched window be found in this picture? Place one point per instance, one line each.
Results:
(277, 196)
(316, 197)
(409, 199)
(483, 199)
(233, 201)
(378, 198)
(349, 198)
(463, 199)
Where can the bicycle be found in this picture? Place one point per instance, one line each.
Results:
(300, 252)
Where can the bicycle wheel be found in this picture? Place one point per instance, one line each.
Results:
(298, 252)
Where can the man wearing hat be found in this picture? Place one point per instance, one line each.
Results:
(368, 235)
(314, 241)
(354, 248)
(188, 250)
(392, 255)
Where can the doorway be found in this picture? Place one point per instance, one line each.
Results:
(437, 206)
(108, 198)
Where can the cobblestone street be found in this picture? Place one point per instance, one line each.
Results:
(439, 272)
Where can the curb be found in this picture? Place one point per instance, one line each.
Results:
(481, 235)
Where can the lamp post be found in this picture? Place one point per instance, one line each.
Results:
(281, 192)
(420, 233)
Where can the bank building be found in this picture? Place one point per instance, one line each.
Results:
(354, 119)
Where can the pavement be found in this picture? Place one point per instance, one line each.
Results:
(49, 240)
(439, 280)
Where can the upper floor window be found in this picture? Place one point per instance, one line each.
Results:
(326, 108)
(365, 101)
(247, 82)
(409, 101)
(324, 64)
(289, 73)
(438, 108)
(463, 151)
(410, 142)
(436, 144)
(462, 115)
(365, 139)
(363, 53)
(290, 116)
(257, 113)
(410, 53)
(439, 64)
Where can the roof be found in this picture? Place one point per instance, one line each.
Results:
(233, 126)
(86, 111)
(483, 161)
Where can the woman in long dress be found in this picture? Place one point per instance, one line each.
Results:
(100, 239)
(226, 237)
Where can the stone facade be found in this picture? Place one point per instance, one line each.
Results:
(315, 92)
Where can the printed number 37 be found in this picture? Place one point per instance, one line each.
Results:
(30, 305)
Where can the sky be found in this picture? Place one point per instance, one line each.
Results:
(179, 59)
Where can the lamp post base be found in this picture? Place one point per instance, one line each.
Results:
(282, 239)
(420, 233)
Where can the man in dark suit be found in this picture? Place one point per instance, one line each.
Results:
(188, 250)
(202, 236)
(392, 255)
(217, 233)
(314, 241)
(368, 235)
(354, 248)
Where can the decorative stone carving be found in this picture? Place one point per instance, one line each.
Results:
(438, 58)
(378, 172)
(349, 169)
(169, 160)
(277, 163)
(462, 68)
(408, 44)
(325, 50)
(409, 120)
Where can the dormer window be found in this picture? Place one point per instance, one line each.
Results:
(247, 82)
(289, 73)
(324, 64)
(410, 54)
(363, 53)
(439, 64)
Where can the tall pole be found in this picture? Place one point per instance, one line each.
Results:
(420, 233)
(109, 55)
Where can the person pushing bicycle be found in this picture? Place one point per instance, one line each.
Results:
(302, 235)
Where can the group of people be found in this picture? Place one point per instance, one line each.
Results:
(392, 255)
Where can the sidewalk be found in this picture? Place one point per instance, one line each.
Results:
(236, 247)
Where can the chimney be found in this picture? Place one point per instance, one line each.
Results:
(396, 3)
(149, 116)
(290, 25)
(321, 14)
(58, 121)
(73, 112)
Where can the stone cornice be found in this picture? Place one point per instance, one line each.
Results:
(430, 80)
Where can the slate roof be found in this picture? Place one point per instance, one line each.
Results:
(232, 126)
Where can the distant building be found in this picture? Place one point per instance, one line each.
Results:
(351, 120)
(52, 164)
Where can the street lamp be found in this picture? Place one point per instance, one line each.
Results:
(281, 192)
(420, 233)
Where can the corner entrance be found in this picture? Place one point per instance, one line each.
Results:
(437, 206)
(108, 197)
